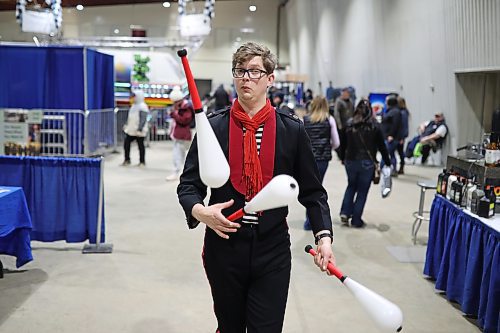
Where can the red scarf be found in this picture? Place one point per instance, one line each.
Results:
(252, 171)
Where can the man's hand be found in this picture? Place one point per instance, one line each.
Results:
(213, 218)
(324, 254)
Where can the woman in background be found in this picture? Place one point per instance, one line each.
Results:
(362, 139)
(321, 128)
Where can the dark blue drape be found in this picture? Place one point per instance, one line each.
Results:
(100, 80)
(41, 77)
(62, 195)
(53, 78)
(15, 225)
(463, 255)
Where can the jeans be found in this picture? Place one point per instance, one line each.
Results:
(359, 178)
(392, 147)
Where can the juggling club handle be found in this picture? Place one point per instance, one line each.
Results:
(193, 91)
(236, 215)
(332, 269)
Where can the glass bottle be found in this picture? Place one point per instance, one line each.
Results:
(440, 181)
(477, 194)
(471, 186)
(449, 190)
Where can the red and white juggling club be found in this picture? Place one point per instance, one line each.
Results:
(387, 315)
(214, 169)
(279, 192)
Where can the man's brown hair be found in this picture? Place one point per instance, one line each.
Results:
(251, 49)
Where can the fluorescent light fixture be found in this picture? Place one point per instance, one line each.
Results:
(116, 31)
(79, 7)
(247, 30)
(252, 8)
(166, 4)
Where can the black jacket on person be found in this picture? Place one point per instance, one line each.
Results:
(391, 123)
(362, 141)
(293, 156)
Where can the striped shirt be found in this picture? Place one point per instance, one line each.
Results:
(253, 218)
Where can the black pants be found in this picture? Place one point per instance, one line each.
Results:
(401, 153)
(249, 275)
(426, 150)
(140, 143)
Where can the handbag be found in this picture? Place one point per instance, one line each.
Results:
(376, 173)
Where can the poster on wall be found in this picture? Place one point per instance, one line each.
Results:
(20, 132)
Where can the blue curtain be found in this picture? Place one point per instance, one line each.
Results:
(62, 195)
(41, 77)
(100, 85)
(100, 80)
(463, 255)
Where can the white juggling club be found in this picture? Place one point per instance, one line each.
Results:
(386, 315)
(214, 169)
(279, 192)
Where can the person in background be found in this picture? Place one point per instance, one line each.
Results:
(279, 102)
(221, 98)
(182, 115)
(391, 124)
(343, 109)
(136, 128)
(433, 134)
(403, 133)
(248, 261)
(362, 138)
(322, 131)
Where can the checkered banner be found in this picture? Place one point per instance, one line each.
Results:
(208, 10)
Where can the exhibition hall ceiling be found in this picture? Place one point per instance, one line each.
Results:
(11, 4)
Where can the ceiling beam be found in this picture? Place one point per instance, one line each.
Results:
(11, 4)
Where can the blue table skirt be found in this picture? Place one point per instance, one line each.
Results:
(463, 256)
(15, 225)
(62, 195)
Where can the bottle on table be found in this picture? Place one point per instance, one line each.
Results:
(477, 194)
(483, 209)
(471, 186)
(451, 179)
(440, 181)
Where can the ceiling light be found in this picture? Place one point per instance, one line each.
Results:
(247, 30)
(166, 4)
(116, 31)
(252, 8)
(79, 7)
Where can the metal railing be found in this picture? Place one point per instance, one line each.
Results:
(85, 133)
(159, 123)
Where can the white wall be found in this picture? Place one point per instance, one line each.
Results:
(411, 47)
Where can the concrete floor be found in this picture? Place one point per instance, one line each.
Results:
(154, 280)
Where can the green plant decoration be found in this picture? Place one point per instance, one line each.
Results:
(141, 68)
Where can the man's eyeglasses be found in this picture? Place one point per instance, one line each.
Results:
(253, 73)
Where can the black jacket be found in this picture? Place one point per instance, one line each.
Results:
(362, 141)
(391, 123)
(293, 156)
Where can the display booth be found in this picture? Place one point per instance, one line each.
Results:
(60, 78)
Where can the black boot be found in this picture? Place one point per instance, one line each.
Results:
(401, 170)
